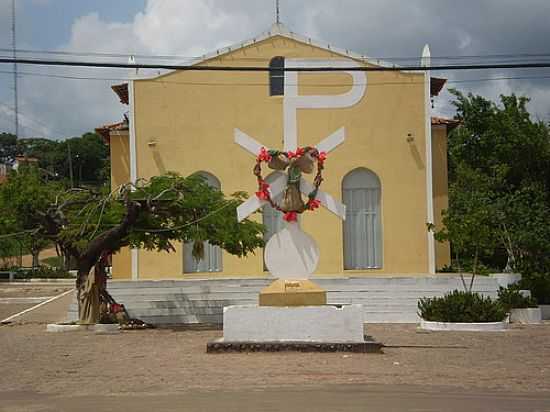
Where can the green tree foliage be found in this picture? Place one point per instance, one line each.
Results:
(89, 157)
(88, 225)
(499, 192)
(8, 147)
(22, 196)
(469, 221)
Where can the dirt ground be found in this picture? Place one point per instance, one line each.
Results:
(168, 369)
(164, 361)
(27, 290)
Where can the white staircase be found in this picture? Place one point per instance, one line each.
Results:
(385, 299)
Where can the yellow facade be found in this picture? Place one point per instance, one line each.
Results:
(184, 122)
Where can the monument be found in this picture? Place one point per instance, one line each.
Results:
(293, 313)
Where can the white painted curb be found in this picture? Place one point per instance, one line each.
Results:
(98, 328)
(464, 327)
(527, 316)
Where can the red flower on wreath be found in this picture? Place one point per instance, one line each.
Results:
(264, 155)
(313, 204)
(291, 217)
(263, 193)
(322, 157)
(298, 153)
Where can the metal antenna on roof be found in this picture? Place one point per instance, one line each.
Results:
(277, 9)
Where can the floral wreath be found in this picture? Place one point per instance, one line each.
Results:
(301, 160)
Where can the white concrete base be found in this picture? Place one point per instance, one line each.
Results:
(98, 328)
(252, 323)
(463, 327)
(526, 316)
(545, 312)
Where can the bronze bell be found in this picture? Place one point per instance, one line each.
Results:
(279, 162)
(292, 200)
(306, 162)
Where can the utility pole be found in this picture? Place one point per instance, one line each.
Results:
(14, 52)
(70, 164)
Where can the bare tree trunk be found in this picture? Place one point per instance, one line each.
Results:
(35, 258)
(89, 288)
(460, 271)
(474, 271)
(87, 295)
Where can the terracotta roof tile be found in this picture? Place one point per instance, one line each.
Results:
(105, 130)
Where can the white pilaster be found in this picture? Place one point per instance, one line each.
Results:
(426, 62)
(133, 167)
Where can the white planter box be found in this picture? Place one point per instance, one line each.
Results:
(545, 312)
(464, 327)
(526, 316)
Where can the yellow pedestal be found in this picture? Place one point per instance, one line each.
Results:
(293, 293)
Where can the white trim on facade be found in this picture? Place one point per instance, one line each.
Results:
(133, 168)
(426, 61)
(276, 30)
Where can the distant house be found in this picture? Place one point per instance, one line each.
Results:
(5, 168)
(391, 172)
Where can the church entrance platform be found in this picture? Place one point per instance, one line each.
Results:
(385, 299)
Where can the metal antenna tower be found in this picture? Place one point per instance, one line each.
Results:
(277, 10)
(14, 53)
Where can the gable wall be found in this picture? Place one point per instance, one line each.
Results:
(191, 117)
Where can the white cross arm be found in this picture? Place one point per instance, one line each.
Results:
(326, 200)
(247, 142)
(253, 204)
(333, 141)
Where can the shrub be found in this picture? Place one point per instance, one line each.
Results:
(512, 298)
(43, 272)
(539, 285)
(461, 307)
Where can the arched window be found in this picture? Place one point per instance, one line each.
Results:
(362, 227)
(212, 261)
(277, 76)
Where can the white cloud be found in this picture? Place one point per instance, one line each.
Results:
(191, 28)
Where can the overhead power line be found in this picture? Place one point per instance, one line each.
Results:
(506, 56)
(448, 67)
(215, 83)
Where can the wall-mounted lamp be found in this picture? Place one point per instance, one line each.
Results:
(152, 143)
(410, 138)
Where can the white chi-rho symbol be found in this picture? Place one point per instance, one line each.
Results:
(292, 253)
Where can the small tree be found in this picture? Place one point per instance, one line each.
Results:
(151, 215)
(469, 220)
(21, 196)
(510, 152)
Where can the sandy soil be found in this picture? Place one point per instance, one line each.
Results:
(169, 361)
(27, 289)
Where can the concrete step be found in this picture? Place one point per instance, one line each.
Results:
(385, 299)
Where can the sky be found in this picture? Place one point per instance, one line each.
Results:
(391, 29)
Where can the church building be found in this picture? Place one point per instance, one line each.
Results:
(389, 170)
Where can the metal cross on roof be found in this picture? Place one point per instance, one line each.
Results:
(291, 103)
